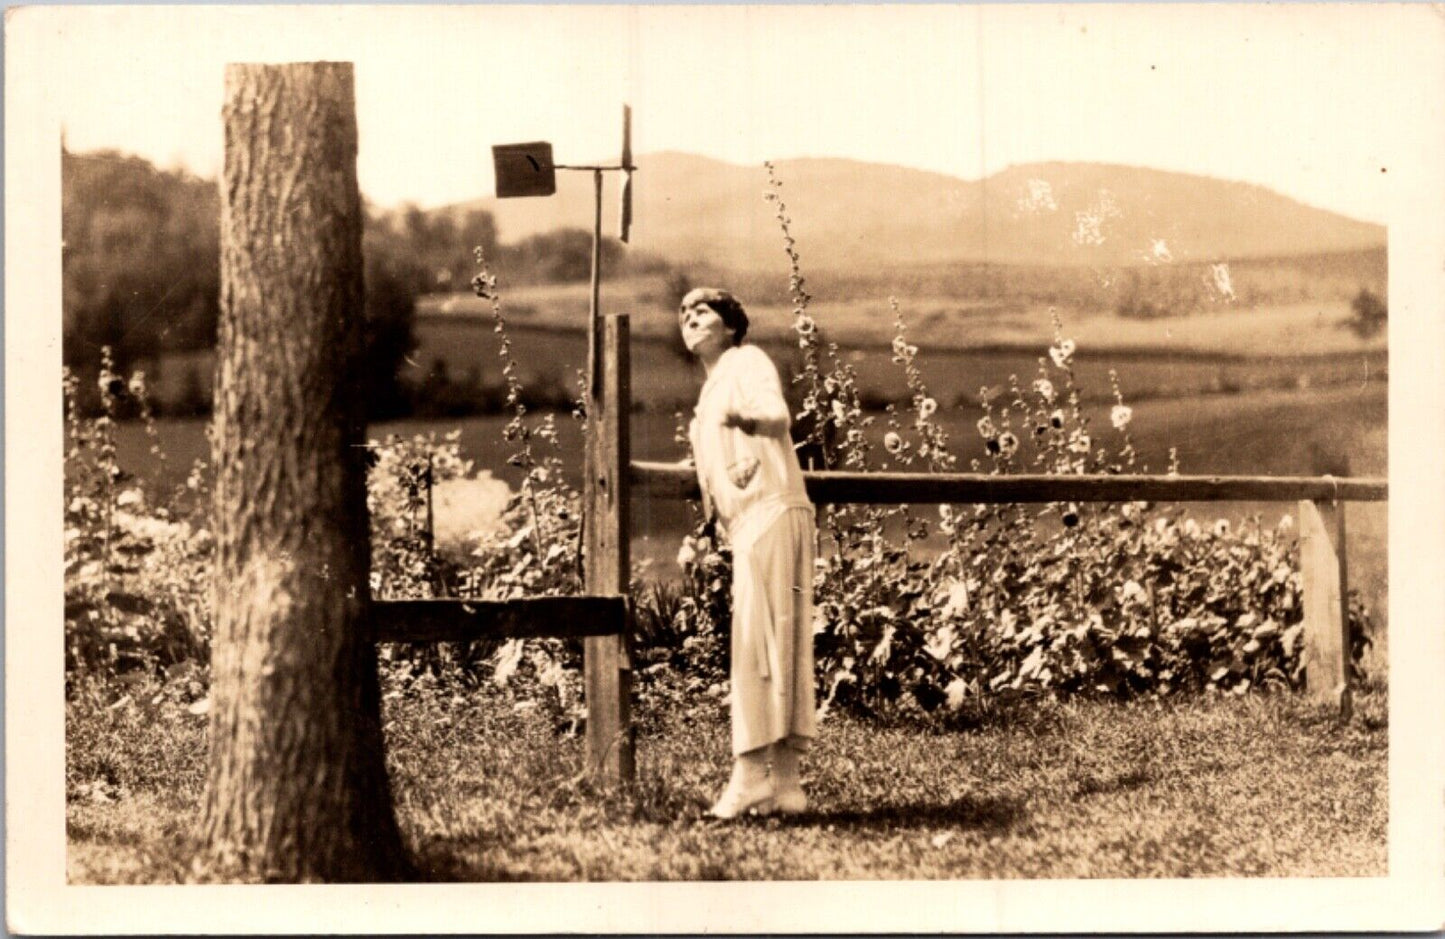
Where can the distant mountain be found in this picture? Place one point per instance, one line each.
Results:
(847, 214)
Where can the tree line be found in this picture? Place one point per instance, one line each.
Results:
(141, 272)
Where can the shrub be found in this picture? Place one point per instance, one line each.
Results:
(136, 575)
(1370, 314)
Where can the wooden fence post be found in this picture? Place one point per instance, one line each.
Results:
(1326, 603)
(606, 666)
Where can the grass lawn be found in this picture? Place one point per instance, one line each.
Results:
(487, 790)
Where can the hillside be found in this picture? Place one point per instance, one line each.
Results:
(847, 214)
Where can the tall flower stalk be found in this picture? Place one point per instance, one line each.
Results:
(536, 472)
(804, 327)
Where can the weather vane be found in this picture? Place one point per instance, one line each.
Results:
(527, 169)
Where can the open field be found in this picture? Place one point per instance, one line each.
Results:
(968, 345)
(486, 790)
(548, 360)
(941, 322)
(1275, 433)
(663, 379)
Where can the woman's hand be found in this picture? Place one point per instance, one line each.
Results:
(742, 472)
(747, 425)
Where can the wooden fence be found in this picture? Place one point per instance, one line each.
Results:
(612, 480)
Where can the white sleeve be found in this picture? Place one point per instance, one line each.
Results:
(760, 392)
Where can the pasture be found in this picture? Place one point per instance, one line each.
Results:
(547, 358)
(858, 315)
(968, 347)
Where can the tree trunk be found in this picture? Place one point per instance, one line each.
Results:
(297, 787)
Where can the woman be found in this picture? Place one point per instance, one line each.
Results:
(751, 481)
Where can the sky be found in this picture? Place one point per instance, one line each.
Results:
(1298, 98)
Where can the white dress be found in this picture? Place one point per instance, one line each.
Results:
(754, 484)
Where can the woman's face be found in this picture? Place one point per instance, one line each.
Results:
(703, 331)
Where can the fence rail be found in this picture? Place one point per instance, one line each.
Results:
(1320, 499)
(467, 620)
(671, 481)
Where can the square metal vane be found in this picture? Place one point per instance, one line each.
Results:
(524, 169)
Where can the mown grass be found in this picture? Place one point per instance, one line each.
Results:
(488, 790)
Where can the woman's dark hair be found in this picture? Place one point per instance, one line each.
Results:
(734, 317)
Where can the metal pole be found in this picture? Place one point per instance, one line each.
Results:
(593, 320)
(430, 517)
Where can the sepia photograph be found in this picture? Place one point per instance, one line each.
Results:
(728, 468)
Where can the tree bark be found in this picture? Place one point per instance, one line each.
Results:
(297, 787)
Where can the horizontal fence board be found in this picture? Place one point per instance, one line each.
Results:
(671, 481)
(467, 620)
